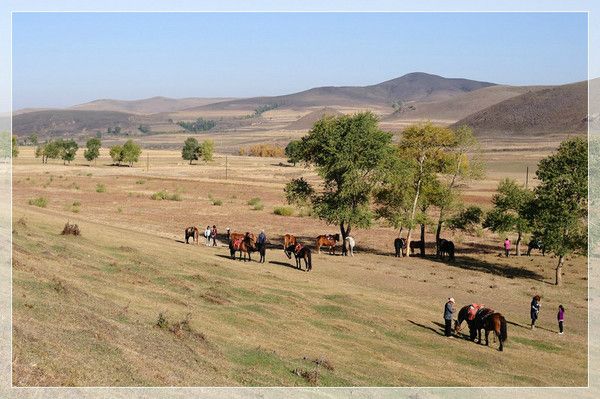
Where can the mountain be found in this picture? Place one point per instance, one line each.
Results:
(559, 109)
(417, 86)
(148, 105)
(307, 121)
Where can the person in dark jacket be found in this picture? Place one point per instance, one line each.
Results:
(535, 310)
(213, 235)
(561, 318)
(261, 243)
(448, 312)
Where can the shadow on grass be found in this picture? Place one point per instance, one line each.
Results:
(528, 327)
(429, 328)
(237, 258)
(285, 264)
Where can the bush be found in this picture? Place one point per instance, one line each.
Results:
(253, 201)
(467, 219)
(140, 181)
(258, 207)
(164, 195)
(100, 188)
(71, 229)
(217, 202)
(39, 202)
(264, 150)
(283, 211)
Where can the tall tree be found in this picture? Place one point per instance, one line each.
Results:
(349, 153)
(512, 204)
(207, 150)
(191, 150)
(561, 201)
(15, 147)
(116, 153)
(68, 149)
(294, 151)
(424, 146)
(131, 152)
(92, 150)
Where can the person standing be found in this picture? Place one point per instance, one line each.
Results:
(535, 310)
(207, 235)
(561, 318)
(213, 235)
(448, 312)
(261, 242)
(507, 247)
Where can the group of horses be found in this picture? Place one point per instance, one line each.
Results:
(444, 248)
(481, 318)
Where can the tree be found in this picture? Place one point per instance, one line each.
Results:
(512, 204)
(424, 146)
(349, 153)
(33, 139)
(50, 150)
(191, 150)
(207, 150)
(15, 147)
(467, 219)
(68, 149)
(294, 151)
(93, 149)
(561, 201)
(116, 153)
(131, 152)
(298, 192)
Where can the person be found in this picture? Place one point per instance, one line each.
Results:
(507, 247)
(213, 235)
(261, 242)
(535, 309)
(448, 312)
(228, 232)
(561, 318)
(207, 235)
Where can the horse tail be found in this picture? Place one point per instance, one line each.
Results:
(503, 330)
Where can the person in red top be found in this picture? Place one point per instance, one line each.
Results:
(213, 235)
(561, 318)
(507, 247)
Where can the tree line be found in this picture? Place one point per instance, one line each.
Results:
(66, 149)
(417, 182)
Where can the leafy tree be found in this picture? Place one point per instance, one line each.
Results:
(92, 151)
(131, 152)
(294, 151)
(424, 147)
(33, 139)
(349, 153)
(512, 204)
(199, 125)
(116, 153)
(191, 150)
(467, 219)
(207, 150)
(144, 129)
(561, 201)
(15, 147)
(298, 192)
(68, 149)
(50, 150)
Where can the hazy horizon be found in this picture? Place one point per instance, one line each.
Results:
(64, 59)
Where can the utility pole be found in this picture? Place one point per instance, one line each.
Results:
(147, 162)
(527, 178)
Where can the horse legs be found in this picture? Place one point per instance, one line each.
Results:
(487, 334)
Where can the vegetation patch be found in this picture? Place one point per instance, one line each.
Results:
(100, 188)
(544, 346)
(40, 202)
(283, 210)
(165, 195)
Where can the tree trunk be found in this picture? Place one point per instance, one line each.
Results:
(438, 233)
(422, 240)
(345, 233)
(518, 245)
(561, 260)
(414, 207)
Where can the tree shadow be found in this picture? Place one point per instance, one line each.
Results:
(429, 328)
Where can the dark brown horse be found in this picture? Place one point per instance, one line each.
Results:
(288, 240)
(301, 252)
(329, 240)
(399, 246)
(191, 232)
(245, 245)
(485, 319)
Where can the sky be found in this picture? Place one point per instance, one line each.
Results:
(62, 59)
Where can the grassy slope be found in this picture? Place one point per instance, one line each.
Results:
(85, 312)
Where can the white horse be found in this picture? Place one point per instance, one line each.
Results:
(349, 246)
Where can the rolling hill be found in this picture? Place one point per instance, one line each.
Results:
(148, 105)
(560, 109)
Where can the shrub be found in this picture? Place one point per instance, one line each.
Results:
(283, 211)
(164, 195)
(39, 202)
(264, 150)
(253, 201)
(100, 188)
(258, 207)
(71, 229)
(141, 181)
(217, 202)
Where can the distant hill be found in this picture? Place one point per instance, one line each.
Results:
(459, 106)
(307, 121)
(559, 109)
(148, 105)
(417, 86)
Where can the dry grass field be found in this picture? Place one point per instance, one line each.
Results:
(128, 303)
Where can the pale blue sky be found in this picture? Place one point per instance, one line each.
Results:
(61, 59)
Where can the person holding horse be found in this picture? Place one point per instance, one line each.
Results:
(448, 313)
(261, 243)
(535, 309)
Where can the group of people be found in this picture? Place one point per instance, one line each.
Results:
(210, 234)
(534, 313)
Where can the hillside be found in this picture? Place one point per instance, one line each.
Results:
(561, 109)
(307, 121)
(147, 105)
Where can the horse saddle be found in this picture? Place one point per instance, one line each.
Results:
(297, 248)
(473, 309)
(237, 243)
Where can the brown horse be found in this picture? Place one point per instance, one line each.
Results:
(191, 232)
(329, 240)
(485, 319)
(245, 245)
(301, 252)
(240, 236)
(288, 240)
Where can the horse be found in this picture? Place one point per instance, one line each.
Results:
(245, 245)
(399, 246)
(416, 245)
(301, 252)
(288, 240)
(349, 246)
(446, 247)
(491, 321)
(329, 240)
(536, 243)
(237, 236)
(467, 313)
(191, 232)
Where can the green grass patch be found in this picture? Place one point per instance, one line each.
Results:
(100, 188)
(283, 210)
(330, 310)
(544, 346)
(254, 201)
(40, 202)
(165, 195)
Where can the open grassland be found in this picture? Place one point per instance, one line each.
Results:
(128, 303)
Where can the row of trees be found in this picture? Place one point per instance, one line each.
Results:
(67, 150)
(367, 177)
(193, 150)
(199, 125)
